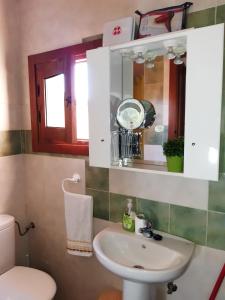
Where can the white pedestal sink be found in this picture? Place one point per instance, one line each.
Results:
(141, 261)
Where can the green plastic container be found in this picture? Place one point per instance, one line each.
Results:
(175, 163)
(128, 223)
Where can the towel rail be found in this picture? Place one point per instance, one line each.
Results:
(74, 179)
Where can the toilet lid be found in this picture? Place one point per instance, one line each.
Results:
(21, 283)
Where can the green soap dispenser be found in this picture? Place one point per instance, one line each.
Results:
(129, 217)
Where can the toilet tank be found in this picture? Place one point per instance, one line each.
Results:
(7, 243)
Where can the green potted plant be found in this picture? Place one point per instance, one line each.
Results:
(174, 152)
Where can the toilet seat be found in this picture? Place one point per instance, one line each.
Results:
(22, 283)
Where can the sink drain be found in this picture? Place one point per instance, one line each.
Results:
(138, 267)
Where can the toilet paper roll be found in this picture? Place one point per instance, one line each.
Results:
(140, 222)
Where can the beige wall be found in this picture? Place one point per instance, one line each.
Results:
(10, 101)
(77, 278)
(12, 200)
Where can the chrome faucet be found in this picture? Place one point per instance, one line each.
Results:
(148, 232)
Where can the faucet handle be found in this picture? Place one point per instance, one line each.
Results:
(147, 230)
(149, 225)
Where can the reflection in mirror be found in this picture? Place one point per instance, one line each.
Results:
(157, 82)
(151, 84)
(162, 83)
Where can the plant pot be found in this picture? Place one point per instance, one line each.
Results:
(175, 163)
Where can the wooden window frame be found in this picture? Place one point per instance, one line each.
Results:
(70, 54)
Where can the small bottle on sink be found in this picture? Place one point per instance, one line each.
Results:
(140, 222)
(129, 217)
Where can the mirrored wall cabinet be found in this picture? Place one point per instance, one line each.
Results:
(155, 89)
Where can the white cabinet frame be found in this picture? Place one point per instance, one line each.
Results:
(204, 79)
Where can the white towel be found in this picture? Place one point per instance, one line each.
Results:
(79, 223)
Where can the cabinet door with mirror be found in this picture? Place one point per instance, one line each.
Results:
(146, 92)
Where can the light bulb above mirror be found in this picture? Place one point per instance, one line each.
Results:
(149, 59)
(178, 60)
(149, 64)
(140, 58)
(142, 55)
(179, 51)
(170, 53)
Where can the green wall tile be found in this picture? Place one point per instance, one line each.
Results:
(97, 178)
(216, 230)
(189, 223)
(10, 142)
(217, 195)
(220, 14)
(26, 141)
(222, 133)
(101, 203)
(223, 98)
(201, 18)
(118, 205)
(222, 153)
(156, 212)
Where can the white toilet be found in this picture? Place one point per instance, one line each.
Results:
(20, 283)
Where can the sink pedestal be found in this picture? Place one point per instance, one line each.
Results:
(136, 291)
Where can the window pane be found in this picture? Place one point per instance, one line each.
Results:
(54, 98)
(81, 95)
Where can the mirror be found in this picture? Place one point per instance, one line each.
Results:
(158, 84)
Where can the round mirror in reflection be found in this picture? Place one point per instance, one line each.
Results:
(130, 114)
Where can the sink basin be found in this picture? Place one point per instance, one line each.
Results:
(140, 260)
